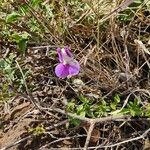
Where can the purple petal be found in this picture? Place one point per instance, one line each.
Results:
(65, 56)
(74, 68)
(60, 55)
(61, 70)
(68, 66)
(67, 50)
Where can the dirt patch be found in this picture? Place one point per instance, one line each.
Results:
(14, 133)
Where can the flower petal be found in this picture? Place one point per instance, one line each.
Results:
(60, 55)
(68, 53)
(74, 68)
(61, 70)
(68, 66)
(65, 56)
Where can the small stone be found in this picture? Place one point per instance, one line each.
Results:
(78, 82)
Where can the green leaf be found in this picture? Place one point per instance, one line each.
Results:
(2, 64)
(24, 9)
(124, 111)
(133, 113)
(21, 40)
(147, 111)
(74, 122)
(14, 16)
(135, 109)
(70, 106)
(35, 3)
(22, 46)
(80, 108)
(113, 106)
(82, 114)
(17, 37)
(117, 99)
(83, 99)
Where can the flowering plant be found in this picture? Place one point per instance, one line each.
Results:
(67, 66)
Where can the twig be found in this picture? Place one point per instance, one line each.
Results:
(26, 87)
(91, 121)
(121, 7)
(44, 46)
(100, 146)
(57, 125)
(60, 139)
(126, 100)
(30, 136)
(126, 141)
(15, 143)
(92, 124)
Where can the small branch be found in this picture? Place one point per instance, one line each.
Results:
(91, 121)
(30, 136)
(15, 143)
(44, 46)
(60, 139)
(92, 124)
(123, 142)
(27, 89)
(85, 119)
(121, 7)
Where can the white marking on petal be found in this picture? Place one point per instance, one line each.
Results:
(65, 62)
(63, 51)
(66, 59)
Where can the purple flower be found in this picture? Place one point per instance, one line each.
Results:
(68, 66)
